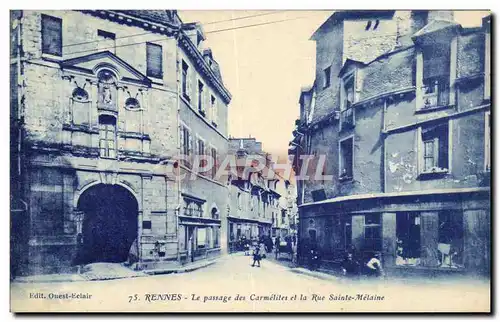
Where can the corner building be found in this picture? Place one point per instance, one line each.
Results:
(401, 108)
(102, 103)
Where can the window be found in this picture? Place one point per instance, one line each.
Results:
(487, 66)
(216, 236)
(436, 75)
(435, 145)
(107, 136)
(347, 92)
(346, 159)
(450, 239)
(106, 40)
(146, 224)
(373, 233)
(154, 60)
(408, 239)
(213, 110)
(51, 35)
(368, 25)
(193, 208)
(185, 80)
(213, 154)
(327, 76)
(318, 195)
(377, 22)
(283, 217)
(106, 34)
(201, 107)
(201, 152)
(487, 141)
(215, 213)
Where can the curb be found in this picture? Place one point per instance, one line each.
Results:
(320, 275)
(177, 270)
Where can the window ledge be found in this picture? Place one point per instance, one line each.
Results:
(438, 173)
(155, 80)
(51, 57)
(433, 109)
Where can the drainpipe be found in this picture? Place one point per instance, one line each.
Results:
(179, 206)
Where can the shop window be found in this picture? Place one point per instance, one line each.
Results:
(408, 239)
(107, 136)
(435, 149)
(51, 35)
(201, 237)
(450, 239)
(346, 159)
(318, 195)
(373, 232)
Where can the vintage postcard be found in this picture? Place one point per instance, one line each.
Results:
(250, 161)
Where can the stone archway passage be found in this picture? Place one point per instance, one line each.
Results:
(109, 225)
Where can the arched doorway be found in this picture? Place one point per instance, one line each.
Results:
(109, 225)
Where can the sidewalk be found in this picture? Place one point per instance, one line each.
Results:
(109, 271)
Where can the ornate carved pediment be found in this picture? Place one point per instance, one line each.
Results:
(93, 63)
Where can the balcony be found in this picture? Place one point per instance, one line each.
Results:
(436, 94)
(347, 119)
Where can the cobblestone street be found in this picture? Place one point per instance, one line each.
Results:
(272, 287)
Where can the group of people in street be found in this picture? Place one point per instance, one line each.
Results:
(261, 247)
(369, 266)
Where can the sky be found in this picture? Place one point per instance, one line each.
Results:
(264, 67)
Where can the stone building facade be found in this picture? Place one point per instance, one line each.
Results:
(254, 200)
(103, 102)
(401, 108)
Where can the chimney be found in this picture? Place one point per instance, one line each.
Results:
(195, 32)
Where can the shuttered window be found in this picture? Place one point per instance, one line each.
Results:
(51, 35)
(154, 60)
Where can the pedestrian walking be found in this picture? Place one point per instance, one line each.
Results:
(256, 256)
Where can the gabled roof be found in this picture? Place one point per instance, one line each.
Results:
(349, 62)
(435, 26)
(341, 15)
(92, 62)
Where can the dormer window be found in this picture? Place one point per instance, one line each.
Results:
(436, 75)
(348, 88)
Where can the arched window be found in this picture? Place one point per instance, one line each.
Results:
(107, 136)
(107, 90)
(215, 213)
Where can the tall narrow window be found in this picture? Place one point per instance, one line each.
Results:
(436, 75)
(107, 136)
(185, 141)
(213, 110)
(328, 75)
(185, 80)
(346, 159)
(348, 92)
(201, 107)
(213, 154)
(154, 60)
(435, 146)
(51, 35)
